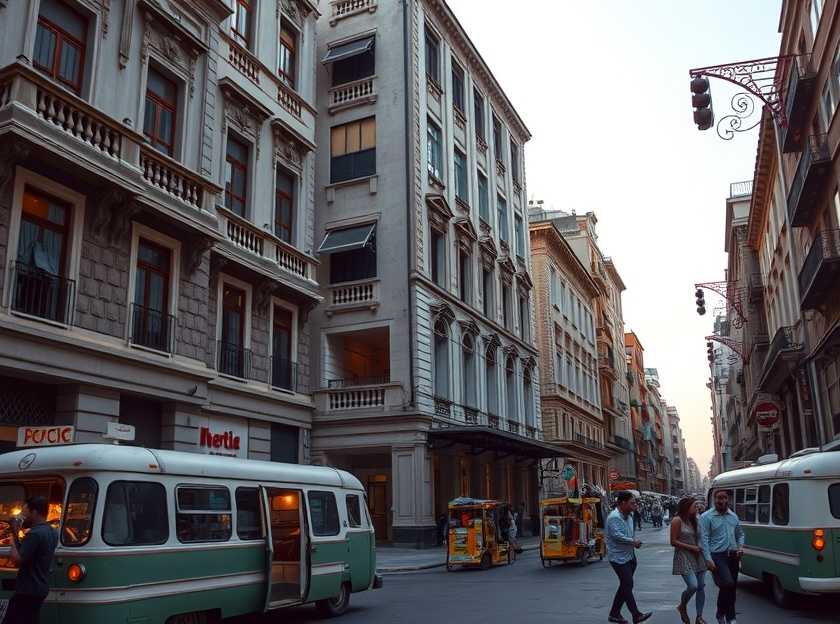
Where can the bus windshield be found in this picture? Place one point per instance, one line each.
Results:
(834, 499)
(13, 495)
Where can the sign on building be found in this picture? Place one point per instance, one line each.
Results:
(767, 413)
(223, 435)
(45, 436)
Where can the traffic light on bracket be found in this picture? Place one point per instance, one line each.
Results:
(710, 351)
(701, 301)
(701, 100)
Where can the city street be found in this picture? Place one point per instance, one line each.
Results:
(525, 592)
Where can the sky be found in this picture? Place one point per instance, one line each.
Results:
(603, 87)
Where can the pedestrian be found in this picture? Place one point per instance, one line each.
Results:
(722, 541)
(512, 530)
(33, 555)
(637, 519)
(688, 558)
(621, 545)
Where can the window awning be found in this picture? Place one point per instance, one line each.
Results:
(346, 50)
(347, 239)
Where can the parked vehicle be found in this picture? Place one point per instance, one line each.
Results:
(477, 534)
(572, 530)
(790, 511)
(166, 537)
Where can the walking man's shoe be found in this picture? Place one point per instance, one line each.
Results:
(721, 619)
(617, 619)
(642, 617)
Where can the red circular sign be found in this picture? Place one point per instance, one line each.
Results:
(767, 413)
(614, 475)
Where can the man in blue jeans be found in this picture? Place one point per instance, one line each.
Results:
(723, 544)
(621, 545)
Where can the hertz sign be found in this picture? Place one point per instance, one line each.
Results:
(45, 436)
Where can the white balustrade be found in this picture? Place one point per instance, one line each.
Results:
(348, 94)
(170, 178)
(245, 237)
(241, 59)
(288, 99)
(356, 398)
(78, 122)
(292, 262)
(355, 293)
(346, 8)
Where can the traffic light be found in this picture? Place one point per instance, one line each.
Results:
(701, 100)
(710, 351)
(701, 301)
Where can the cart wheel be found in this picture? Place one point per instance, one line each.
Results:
(486, 562)
(449, 568)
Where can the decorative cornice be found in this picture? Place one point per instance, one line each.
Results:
(441, 310)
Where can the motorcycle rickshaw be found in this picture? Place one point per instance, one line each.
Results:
(477, 534)
(572, 529)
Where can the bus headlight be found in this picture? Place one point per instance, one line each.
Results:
(76, 572)
(818, 541)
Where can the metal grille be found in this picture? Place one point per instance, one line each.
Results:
(25, 404)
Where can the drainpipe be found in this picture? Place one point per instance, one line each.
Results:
(408, 198)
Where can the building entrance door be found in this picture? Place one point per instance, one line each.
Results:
(377, 494)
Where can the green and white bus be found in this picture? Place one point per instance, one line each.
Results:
(166, 537)
(790, 511)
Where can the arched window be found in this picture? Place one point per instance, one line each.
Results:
(468, 374)
(528, 394)
(510, 388)
(492, 381)
(441, 359)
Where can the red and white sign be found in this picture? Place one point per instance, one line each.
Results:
(614, 474)
(45, 436)
(767, 414)
(219, 435)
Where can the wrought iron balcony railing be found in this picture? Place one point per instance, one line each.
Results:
(353, 381)
(756, 290)
(800, 89)
(807, 182)
(818, 276)
(284, 374)
(152, 329)
(233, 360)
(40, 293)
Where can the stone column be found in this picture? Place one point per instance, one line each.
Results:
(180, 422)
(88, 409)
(259, 440)
(412, 496)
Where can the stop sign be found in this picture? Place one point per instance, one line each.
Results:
(767, 414)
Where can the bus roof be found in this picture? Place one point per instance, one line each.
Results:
(113, 458)
(813, 465)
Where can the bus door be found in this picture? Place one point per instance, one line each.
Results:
(287, 544)
(328, 546)
(360, 543)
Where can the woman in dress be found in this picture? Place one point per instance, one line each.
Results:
(688, 558)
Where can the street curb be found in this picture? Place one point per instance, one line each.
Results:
(430, 566)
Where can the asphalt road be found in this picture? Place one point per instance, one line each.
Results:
(525, 592)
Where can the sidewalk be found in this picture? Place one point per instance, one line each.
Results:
(390, 559)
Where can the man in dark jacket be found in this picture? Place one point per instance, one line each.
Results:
(33, 555)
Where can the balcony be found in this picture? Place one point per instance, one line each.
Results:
(756, 288)
(353, 296)
(623, 443)
(152, 329)
(348, 95)
(606, 361)
(369, 397)
(808, 181)
(589, 442)
(284, 374)
(41, 294)
(340, 9)
(800, 91)
(782, 358)
(233, 360)
(818, 277)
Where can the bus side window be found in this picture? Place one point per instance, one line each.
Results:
(781, 504)
(248, 523)
(323, 511)
(834, 499)
(204, 514)
(739, 503)
(354, 511)
(135, 514)
(764, 504)
(78, 515)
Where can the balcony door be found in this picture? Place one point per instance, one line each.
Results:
(282, 374)
(231, 346)
(151, 326)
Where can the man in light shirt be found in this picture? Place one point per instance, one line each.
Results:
(621, 546)
(722, 541)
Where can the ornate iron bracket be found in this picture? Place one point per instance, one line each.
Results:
(737, 347)
(733, 296)
(760, 78)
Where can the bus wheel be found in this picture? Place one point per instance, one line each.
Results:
(782, 597)
(332, 607)
(486, 562)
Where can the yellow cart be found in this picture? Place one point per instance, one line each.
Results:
(476, 536)
(571, 530)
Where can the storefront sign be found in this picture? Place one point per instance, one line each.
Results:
(45, 436)
(767, 414)
(119, 431)
(220, 435)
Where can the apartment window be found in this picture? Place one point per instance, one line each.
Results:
(282, 367)
(497, 139)
(352, 61)
(287, 53)
(553, 285)
(441, 359)
(39, 285)
(150, 322)
(816, 14)
(432, 56)
(501, 209)
(487, 292)
(510, 389)
(563, 299)
(523, 318)
(438, 257)
(560, 365)
(60, 43)
(468, 353)
(506, 310)
(284, 205)
(352, 253)
(241, 28)
(465, 276)
(353, 150)
(519, 231)
(492, 381)
(478, 106)
(161, 112)
(434, 150)
(514, 161)
(828, 104)
(236, 176)
(483, 198)
(458, 88)
(528, 396)
(461, 178)
(285, 442)
(232, 344)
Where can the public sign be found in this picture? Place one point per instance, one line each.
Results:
(221, 435)
(767, 414)
(614, 474)
(119, 431)
(45, 436)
